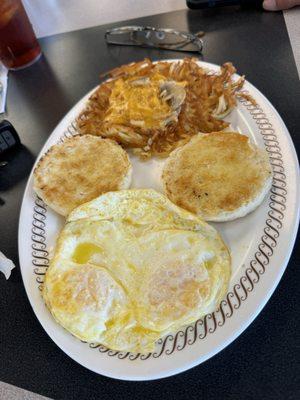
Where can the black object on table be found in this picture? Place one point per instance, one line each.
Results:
(8, 137)
(263, 361)
(202, 4)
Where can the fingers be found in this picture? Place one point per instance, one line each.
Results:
(274, 5)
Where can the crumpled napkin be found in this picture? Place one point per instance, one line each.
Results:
(3, 87)
(6, 265)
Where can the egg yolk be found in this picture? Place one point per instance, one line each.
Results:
(84, 252)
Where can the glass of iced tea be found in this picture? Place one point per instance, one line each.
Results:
(18, 44)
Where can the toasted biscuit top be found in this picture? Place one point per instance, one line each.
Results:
(219, 176)
(80, 169)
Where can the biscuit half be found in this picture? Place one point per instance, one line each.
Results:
(219, 176)
(80, 169)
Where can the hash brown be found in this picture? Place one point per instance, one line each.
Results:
(138, 118)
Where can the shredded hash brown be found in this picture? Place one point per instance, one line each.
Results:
(209, 97)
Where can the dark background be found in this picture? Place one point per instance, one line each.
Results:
(263, 363)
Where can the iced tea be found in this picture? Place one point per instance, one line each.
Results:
(18, 44)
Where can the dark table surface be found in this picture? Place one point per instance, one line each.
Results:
(263, 363)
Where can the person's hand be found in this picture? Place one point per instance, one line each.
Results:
(275, 5)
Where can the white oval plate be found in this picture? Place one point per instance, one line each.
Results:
(260, 243)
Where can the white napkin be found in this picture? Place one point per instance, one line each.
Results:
(3, 87)
(6, 265)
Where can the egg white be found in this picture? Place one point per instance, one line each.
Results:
(130, 266)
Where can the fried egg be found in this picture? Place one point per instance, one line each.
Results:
(130, 267)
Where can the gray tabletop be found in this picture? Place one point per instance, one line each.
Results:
(262, 362)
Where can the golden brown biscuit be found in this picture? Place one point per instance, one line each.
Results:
(220, 176)
(80, 169)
